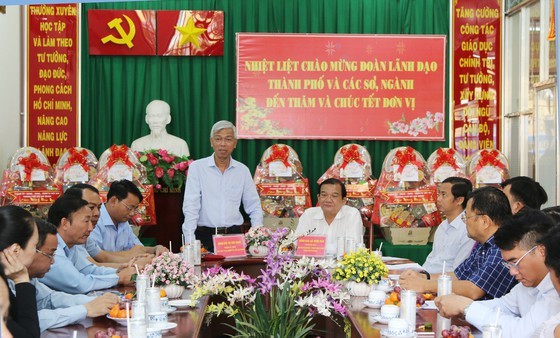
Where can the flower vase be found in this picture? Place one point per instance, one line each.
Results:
(173, 290)
(258, 250)
(358, 289)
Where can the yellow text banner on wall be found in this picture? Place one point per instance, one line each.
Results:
(476, 75)
(52, 78)
(336, 86)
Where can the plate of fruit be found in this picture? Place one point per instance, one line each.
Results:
(118, 314)
(457, 332)
(395, 298)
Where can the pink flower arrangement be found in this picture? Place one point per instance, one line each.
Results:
(170, 268)
(164, 169)
(420, 125)
(258, 236)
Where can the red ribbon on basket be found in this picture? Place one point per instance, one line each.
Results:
(279, 152)
(29, 163)
(445, 157)
(119, 154)
(350, 154)
(489, 157)
(77, 157)
(404, 157)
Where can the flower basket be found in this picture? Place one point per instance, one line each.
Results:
(173, 290)
(361, 266)
(164, 169)
(258, 237)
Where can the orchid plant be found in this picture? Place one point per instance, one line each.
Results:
(282, 301)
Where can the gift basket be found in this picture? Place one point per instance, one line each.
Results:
(118, 163)
(75, 165)
(446, 162)
(29, 182)
(405, 197)
(283, 189)
(352, 165)
(488, 167)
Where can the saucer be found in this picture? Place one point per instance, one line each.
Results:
(121, 321)
(382, 320)
(182, 303)
(169, 309)
(385, 333)
(164, 327)
(372, 305)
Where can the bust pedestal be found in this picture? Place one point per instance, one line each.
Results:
(169, 215)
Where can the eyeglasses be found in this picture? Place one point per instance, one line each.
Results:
(464, 217)
(130, 208)
(51, 257)
(515, 265)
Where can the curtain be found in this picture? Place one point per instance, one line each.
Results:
(201, 90)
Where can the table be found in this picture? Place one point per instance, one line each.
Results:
(416, 253)
(189, 323)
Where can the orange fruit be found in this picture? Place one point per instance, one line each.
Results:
(129, 295)
(162, 293)
(388, 301)
(394, 296)
(122, 313)
(114, 311)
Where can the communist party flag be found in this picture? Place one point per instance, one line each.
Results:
(118, 32)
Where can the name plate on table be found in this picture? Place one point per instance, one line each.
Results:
(229, 245)
(311, 246)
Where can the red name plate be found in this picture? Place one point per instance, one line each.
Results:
(229, 245)
(312, 246)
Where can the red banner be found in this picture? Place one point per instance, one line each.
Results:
(190, 33)
(282, 189)
(327, 86)
(409, 196)
(476, 75)
(33, 197)
(117, 32)
(52, 78)
(360, 190)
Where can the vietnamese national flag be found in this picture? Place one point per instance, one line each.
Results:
(190, 33)
(121, 32)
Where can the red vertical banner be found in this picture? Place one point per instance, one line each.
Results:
(476, 75)
(52, 78)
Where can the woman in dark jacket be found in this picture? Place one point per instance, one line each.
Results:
(18, 241)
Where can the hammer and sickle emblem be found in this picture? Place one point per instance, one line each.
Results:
(125, 39)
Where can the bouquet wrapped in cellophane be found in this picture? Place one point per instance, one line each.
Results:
(488, 167)
(118, 163)
(75, 165)
(446, 162)
(405, 197)
(352, 165)
(283, 189)
(29, 182)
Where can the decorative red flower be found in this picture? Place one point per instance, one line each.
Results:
(171, 173)
(159, 172)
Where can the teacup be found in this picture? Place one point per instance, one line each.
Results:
(398, 327)
(377, 297)
(157, 319)
(153, 332)
(389, 311)
(164, 301)
(385, 285)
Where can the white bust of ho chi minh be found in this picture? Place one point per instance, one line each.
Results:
(158, 116)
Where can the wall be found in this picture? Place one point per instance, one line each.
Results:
(11, 96)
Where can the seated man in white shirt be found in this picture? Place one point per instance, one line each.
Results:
(452, 245)
(57, 309)
(530, 302)
(332, 217)
(71, 271)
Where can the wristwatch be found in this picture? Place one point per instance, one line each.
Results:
(424, 272)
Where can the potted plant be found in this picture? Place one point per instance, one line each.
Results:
(361, 269)
(282, 301)
(257, 239)
(171, 272)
